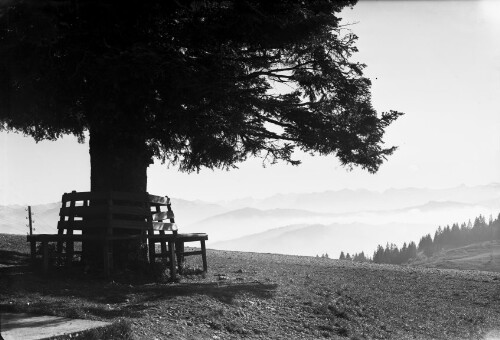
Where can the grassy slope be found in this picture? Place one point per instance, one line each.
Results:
(261, 296)
(478, 256)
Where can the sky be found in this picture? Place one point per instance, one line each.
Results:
(436, 61)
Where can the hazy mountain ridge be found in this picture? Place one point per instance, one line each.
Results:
(348, 200)
(247, 221)
(313, 239)
(342, 212)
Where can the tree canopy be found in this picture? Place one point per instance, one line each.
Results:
(198, 83)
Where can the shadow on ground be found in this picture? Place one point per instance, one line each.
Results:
(13, 258)
(105, 299)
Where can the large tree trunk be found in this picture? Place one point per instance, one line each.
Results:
(119, 162)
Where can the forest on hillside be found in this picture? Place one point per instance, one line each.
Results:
(453, 236)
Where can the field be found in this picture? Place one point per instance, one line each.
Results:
(266, 296)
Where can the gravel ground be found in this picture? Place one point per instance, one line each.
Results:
(266, 296)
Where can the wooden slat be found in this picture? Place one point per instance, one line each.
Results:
(82, 211)
(102, 195)
(161, 238)
(129, 196)
(83, 196)
(163, 200)
(166, 226)
(127, 224)
(80, 225)
(55, 237)
(101, 223)
(179, 237)
(162, 215)
(97, 210)
(193, 237)
(130, 211)
(79, 238)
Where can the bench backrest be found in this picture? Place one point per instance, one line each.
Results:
(115, 210)
(161, 210)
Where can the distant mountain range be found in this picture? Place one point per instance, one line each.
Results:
(317, 239)
(248, 221)
(293, 223)
(347, 200)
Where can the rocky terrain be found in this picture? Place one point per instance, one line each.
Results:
(266, 296)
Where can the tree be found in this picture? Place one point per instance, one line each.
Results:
(378, 255)
(188, 82)
(426, 245)
(412, 250)
(360, 257)
(342, 256)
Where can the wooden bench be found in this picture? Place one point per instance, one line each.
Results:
(161, 210)
(110, 217)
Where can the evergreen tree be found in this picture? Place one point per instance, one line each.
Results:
(412, 250)
(360, 257)
(187, 82)
(342, 256)
(426, 245)
(378, 256)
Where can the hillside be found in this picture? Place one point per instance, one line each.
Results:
(478, 256)
(266, 296)
(245, 221)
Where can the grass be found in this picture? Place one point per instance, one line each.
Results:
(479, 256)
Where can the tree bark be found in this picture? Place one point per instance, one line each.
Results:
(118, 162)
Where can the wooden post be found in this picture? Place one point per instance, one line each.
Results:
(108, 243)
(33, 251)
(163, 245)
(171, 248)
(32, 242)
(69, 231)
(62, 218)
(30, 220)
(45, 257)
(204, 255)
(106, 257)
(150, 231)
(179, 250)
